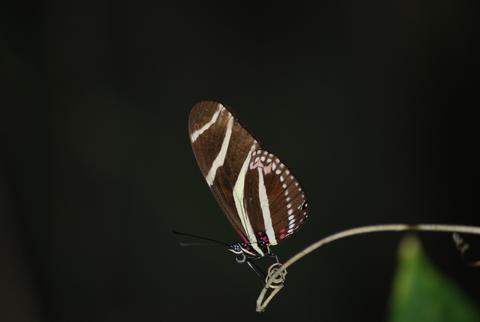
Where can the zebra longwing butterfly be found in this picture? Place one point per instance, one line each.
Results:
(259, 195)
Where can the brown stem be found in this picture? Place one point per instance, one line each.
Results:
(262, 302)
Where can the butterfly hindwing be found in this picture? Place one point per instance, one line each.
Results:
(274, 196)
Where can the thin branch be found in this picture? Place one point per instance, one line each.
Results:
(263, 302)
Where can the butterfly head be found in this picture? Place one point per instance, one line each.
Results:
(236, 248)
(245, 250)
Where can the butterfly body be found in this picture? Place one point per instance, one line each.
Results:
(258, 194)
(245, 251)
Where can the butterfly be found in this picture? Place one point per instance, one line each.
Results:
(259, 195)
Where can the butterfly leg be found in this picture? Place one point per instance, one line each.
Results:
(272, 255)
(256, 269)
(276, 258)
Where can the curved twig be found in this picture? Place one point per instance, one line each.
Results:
(263, 302)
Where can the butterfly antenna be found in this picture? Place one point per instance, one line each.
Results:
(198, 244)
(198, 237)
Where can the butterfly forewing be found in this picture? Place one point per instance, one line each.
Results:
(258, 194)
(220, 145)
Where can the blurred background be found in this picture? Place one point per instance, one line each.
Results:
(373, 105)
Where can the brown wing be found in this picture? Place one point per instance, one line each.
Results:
(259, 196)
(220, 145)
(274, 197)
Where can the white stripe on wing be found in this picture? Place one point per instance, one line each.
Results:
(214, 118)
(238, 197)
(220, 159)
(267, 219)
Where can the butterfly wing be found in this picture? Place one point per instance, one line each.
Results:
(259, 196)
(220, 145)
(274, 197)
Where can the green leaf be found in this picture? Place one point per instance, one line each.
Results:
(422, 294)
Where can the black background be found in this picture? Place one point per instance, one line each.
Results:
(373, 105)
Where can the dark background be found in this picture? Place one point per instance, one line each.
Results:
(372, 104)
